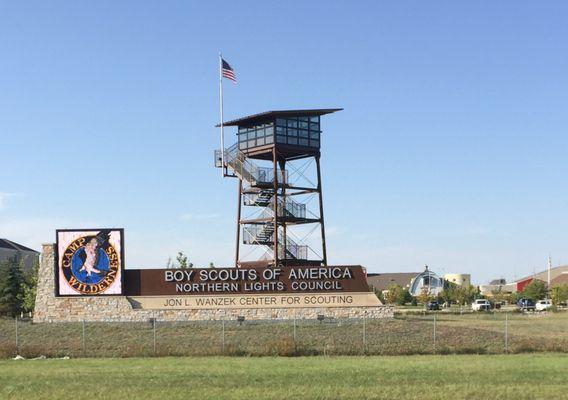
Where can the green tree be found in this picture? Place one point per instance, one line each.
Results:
(466, 294)
(498, 296)
(514, 297)
(559, 294)
(397, 295)
(11, 281)
(378, 293)
(448, 295)
(183, 260)
(536, 290)
(407, 297)
(425, 296)
(29, 288)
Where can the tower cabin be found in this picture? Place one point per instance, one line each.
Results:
(266, 143)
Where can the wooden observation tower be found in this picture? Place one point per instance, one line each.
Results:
(277, 162)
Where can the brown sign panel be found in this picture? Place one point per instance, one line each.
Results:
(243, 281)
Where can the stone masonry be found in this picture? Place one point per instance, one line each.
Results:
(50, 308)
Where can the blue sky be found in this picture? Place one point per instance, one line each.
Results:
(451, 150)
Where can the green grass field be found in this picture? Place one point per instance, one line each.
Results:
(520, 376)
(479, 333)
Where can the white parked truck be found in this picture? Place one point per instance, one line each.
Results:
(543, 305)
(481, 305)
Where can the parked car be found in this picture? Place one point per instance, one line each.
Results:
(432, 305)
(543, 305)
(526, 305)
(481, 305)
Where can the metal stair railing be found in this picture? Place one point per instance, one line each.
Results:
(244, 168)
(258, 234)
(239, 163)
(286, 207)
(296, 251)
(261, 198)
(263, 234)
(290, 208)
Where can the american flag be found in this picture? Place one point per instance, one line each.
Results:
(227, 71)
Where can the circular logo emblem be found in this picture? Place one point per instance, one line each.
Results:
(90, 264)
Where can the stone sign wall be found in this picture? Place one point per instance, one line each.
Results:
(50, 308)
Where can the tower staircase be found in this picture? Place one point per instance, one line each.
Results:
(260, 193)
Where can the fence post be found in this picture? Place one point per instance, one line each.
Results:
(506, 333)
(295, 347)
(434, 333)
(154, 334)
(83, 345)
(17, 344)
(223, 335)
(364, 334)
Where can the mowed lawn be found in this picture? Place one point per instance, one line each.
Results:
(520, 376)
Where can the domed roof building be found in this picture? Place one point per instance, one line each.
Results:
(426, 281)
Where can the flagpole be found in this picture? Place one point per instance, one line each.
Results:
(221, 112)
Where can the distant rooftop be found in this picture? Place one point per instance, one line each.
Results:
(383, 281)
(543, 275)
(561, 279)
(8, 244)
(268, 115)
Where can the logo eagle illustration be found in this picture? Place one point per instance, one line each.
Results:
(90, 257)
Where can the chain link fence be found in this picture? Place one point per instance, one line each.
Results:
(482, 333)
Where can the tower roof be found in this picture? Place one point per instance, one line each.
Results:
(267, 115)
